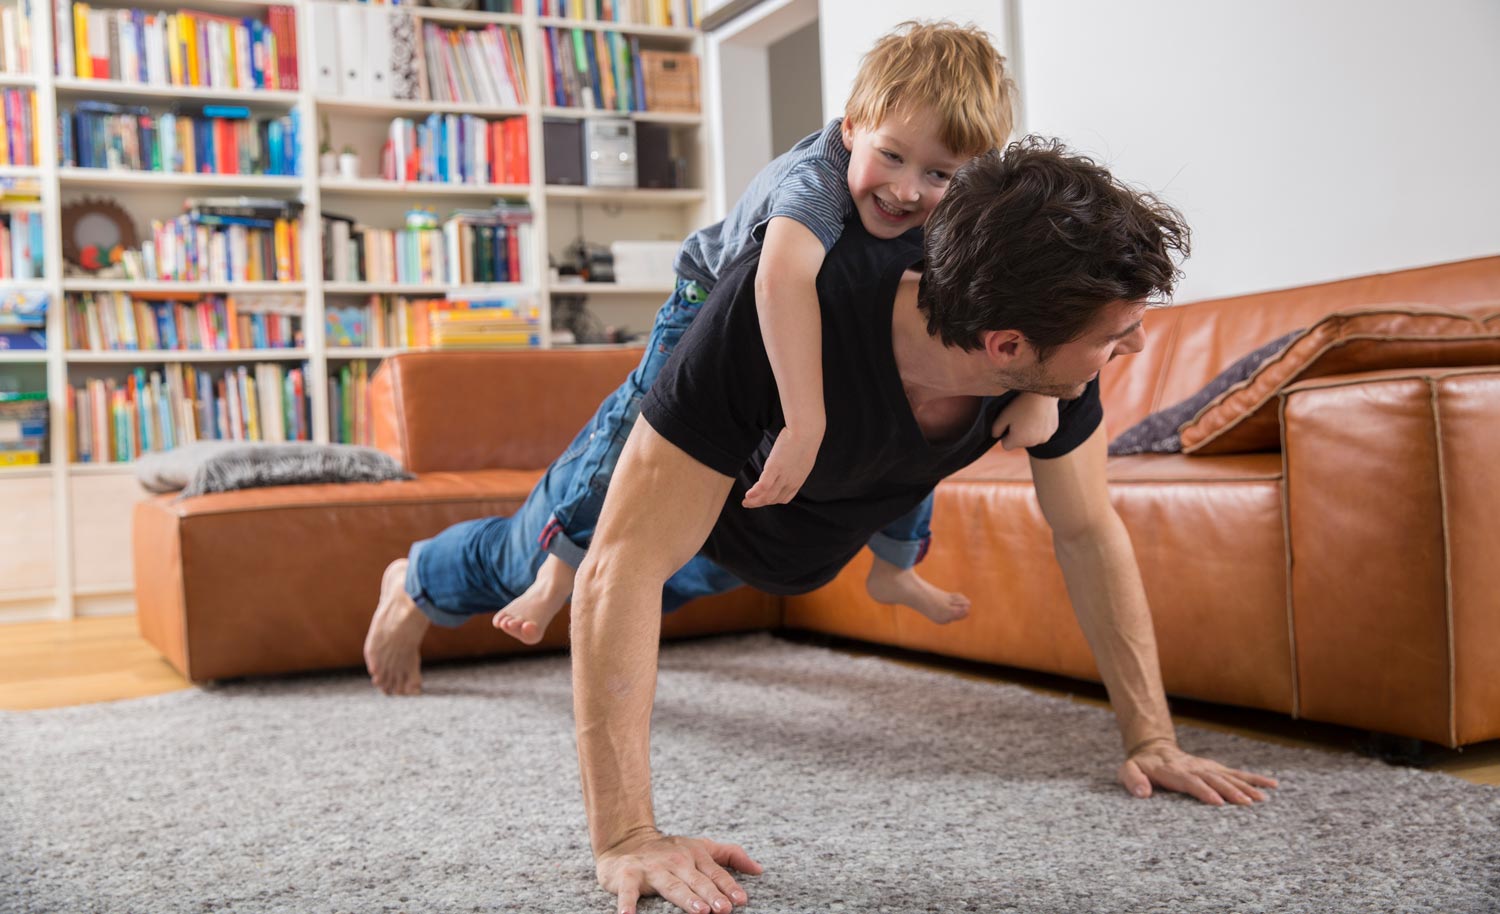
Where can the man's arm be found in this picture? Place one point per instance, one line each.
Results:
(1104, 584)
(661, 506)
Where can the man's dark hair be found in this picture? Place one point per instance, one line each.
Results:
(1038, 240)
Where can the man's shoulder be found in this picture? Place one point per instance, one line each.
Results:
(860, 261)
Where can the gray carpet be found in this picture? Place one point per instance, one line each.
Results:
(860, 784)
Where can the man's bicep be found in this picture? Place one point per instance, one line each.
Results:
(1073, 489)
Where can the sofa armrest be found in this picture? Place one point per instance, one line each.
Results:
(1393, 520)
(458, 411)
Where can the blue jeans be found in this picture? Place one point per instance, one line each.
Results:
(576, 512)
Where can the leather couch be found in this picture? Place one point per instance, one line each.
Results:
(1335, 562)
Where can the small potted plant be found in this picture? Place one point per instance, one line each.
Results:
(349, 163)
(328, 160)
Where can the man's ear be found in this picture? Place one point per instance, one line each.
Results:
(1004, 347)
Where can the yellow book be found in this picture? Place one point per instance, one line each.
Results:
(294, 241)
(36, 135)
(606, 71)
(24, 458)
(190, 43)
(233, 53)
(82, 62)
(251, 394)
(232, 322)
(174, 51)
(282, 238)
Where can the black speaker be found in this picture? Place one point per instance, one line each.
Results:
(653, 156)
(562, 145)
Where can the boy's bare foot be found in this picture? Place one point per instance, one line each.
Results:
(526, 617)
(393, 646)
(889, 584)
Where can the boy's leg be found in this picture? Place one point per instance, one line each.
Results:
(575, 511)
(893, 577)
(471, 568)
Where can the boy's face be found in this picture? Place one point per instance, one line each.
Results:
(898, 171)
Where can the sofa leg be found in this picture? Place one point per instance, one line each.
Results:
(1397, 750)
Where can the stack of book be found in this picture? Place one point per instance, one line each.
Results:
(115, 422)
(381, 321)
(23, 319)
(674, 13)
(473, 246)
(359, 253)
(500, 323)
(474, 66)
(457, 149)
(489, 245)
(226, 239)
(15, 38)
(584, 68)
(349, 419)
(106, 321)
(22, 244)
(186, 48)
(217, 139)
(23, 428)
(20, 140)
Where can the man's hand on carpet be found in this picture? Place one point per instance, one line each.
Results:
(1168, 767)
(787, 466)
(688, 872)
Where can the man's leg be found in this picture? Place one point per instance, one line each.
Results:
(661, 507)
(575, 512)
(893, 577)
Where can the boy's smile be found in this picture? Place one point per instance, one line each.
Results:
(898, 171)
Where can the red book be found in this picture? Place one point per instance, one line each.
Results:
(290, 15)
(512, 254)
(523, 151)
(226, 155)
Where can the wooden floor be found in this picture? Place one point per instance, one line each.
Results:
(56, 664)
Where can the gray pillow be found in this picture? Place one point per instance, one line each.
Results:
(1157, 433)
(224, 466)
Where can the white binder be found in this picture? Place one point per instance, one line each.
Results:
(378, 50)
(325, 25)
(354, 77)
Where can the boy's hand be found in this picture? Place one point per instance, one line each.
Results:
(1027, 421)
(791, 459)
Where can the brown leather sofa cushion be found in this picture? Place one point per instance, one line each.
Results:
(1244, 418)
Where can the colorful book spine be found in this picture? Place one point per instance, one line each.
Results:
(186, 48)
(482, 66)
(220, 139)
(457, 149)
(118, 321)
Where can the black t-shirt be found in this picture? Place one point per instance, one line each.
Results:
(716, 399)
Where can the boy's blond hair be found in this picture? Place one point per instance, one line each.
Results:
(948, 68)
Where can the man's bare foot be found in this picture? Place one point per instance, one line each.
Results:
(393, 646)
(526, 617)
(890, 584)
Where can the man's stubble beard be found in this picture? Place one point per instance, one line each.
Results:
(1037, 381)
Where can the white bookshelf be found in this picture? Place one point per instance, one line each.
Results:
(72, 558)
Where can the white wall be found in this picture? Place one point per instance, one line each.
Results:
(1304, 141)
(795, 78)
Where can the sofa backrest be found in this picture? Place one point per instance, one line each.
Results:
(457, 411)
(1187, 345)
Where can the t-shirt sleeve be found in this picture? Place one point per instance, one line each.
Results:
(1076, 421)
(716, 395)
(815, 192)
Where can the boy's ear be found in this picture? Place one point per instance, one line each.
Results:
(846, 130)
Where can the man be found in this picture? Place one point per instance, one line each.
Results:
(1036, 270)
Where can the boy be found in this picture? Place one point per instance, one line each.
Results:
(927, 98)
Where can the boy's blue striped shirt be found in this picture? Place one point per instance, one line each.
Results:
(808, 183)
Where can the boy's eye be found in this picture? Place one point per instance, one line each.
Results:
(890, 156)
(940, 175)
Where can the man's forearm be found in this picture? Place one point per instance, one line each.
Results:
(615, 634)
(1104, 584)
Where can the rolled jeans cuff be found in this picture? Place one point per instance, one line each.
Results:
(418, 596)
(901, 553)
(555, 541)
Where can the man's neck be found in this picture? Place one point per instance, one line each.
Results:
(929, 370)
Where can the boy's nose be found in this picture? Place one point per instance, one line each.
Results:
(907, 191)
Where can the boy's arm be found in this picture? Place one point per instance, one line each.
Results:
(1027, 421)
(786, 301)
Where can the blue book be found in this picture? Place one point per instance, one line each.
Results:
(639, 86)
(294, 120)
(228, 112)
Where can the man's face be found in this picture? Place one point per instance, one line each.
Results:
(898, 171)
(1115, 332)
